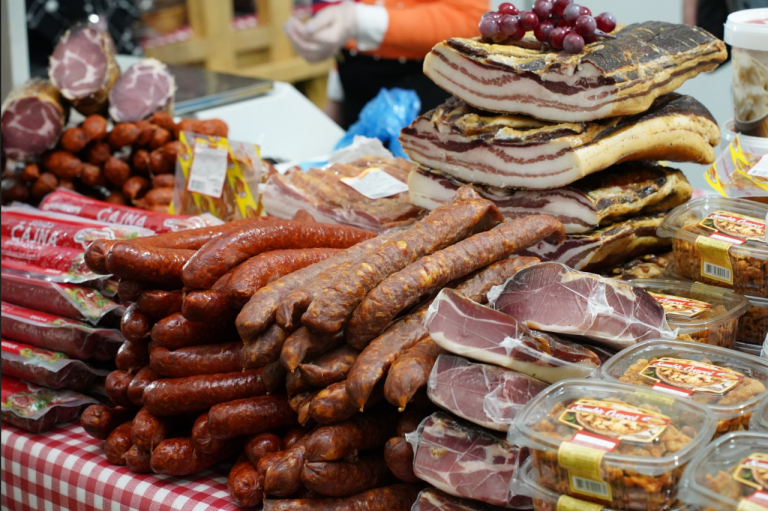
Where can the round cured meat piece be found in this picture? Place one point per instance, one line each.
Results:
(33, 116)
(145, 88)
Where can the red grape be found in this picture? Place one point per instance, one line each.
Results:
(573, 43)
(572, 13)
(560, 6)
(606, 22)
(557, 36)
(543, 31)
(543, 9)
(519, 35)
(509, 25)
(585, 11)
(528, 20)
(585, 25)
(489, 27)
(508, 8)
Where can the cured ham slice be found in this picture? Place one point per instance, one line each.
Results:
(619, 192)
(486, 395)
(611, 77)
(466, 328)
(467, 462)
(322, 193)
(83, 68)
(32, 118)
(145, 88)
(606, 247)
(555, 298)
(435, 500)
(513, 151)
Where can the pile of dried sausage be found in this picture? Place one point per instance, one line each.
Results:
(275, 335)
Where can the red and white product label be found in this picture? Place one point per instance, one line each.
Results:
(38, 317)
(734, 228)
(614, 421)
(683, 377)
(72, 203)
(601, 443)
(679, 306)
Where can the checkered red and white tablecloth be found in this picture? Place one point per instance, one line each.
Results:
(65, 469)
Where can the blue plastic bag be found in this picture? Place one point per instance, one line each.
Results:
(383, 118)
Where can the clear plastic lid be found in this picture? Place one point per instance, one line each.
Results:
(526, 483)
(655, 434)
(729, 474)
(702, 307)
(759, 421)
(748, 29)
(728, 382)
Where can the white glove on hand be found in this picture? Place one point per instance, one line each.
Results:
(325, 34)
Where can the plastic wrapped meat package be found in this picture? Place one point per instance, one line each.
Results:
(612, 444)
(554, 298)
(466, 328)
(466, 461)
(76, 339)
(38, 409)
(57, 264)
(729, 383)
(487, 395)
(47, 368)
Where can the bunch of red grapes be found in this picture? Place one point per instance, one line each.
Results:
(558, 23)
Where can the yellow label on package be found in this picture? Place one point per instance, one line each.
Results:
(715, 261)
(584, 473)
(566, 503)
(758, 501)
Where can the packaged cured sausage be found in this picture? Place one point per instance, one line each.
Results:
(698, 312)
(57, 264)
(721, 242)
(487, 395)
(69, 202)
(58, 298)
(27, 224)
(77, 339)
(612, 443)
(46, 368)
(469, 329)
(729, 383)
(38, 409)
(729, 474)
(466, 461)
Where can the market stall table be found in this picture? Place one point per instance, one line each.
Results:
(66, 469)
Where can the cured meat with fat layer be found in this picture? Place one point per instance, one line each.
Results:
(145, 88)
(484, 394)
(33, 116)
(555, 298)
(607, 246)
(466, 328)
(322, 193)
(611, 77)
(514, 151)
(83, 68)
(435, 500)
(466, 461)
(621, 191)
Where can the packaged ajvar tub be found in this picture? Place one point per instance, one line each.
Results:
(610, 443)
(759, 420)
(731, 474)
(545, 499)
(728, 382)
(699, 312)
(721, 241)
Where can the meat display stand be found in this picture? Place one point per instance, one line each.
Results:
(65, 469)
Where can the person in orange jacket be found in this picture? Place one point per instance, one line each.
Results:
(381, 44)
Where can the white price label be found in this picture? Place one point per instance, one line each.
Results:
(761, 169)
(209, 170)
(374, 183)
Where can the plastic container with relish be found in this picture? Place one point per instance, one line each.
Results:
(728, 475)
(729, 383)
(721, 242)
(613, 444)
(699, 312)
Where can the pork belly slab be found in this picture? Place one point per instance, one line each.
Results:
(514, 151)
(603, 198)
(607, 246)
(611, 77)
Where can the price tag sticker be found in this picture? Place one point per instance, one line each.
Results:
(374, 183)
(761, 169)
(566, 503)
(715, 261)
(209, 169)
